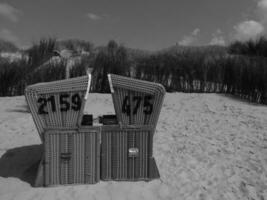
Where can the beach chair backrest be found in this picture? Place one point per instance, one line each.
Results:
(136, 102)
(58, 103)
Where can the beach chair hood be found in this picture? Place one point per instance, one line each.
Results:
(136, 102)
(58, 103)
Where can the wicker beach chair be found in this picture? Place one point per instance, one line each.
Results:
(127, 149)
(71, 151)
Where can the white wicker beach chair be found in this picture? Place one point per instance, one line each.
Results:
(126, 149)
(71, 151)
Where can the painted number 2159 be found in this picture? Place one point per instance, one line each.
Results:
(66, 102)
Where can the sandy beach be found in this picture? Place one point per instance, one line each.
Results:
(207, 146)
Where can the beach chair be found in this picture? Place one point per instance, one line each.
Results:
(71, 151)
(127, 148)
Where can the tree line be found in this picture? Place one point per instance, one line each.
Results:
(240, 69)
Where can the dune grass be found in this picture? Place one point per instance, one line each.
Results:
(239, 69)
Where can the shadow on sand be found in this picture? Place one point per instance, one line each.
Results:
(21, 162)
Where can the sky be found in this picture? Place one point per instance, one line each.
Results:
(143, 24)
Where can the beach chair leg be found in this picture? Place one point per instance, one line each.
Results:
(39, 181)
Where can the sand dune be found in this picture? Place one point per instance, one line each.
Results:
(207, 146)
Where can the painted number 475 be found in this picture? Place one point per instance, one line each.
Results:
(137, 102)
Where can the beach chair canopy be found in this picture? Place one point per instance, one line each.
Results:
(59, 103)
(136, 102)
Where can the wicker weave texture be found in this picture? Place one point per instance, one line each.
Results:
(58, 103)
(67, 85)
(116, 161)
(72, 157)
(136, 102)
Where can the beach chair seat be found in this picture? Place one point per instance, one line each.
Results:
(72, 156)
(126, 154)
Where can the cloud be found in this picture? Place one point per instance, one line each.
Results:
(248, 30)
(262, 4)
(262, 11)
(252, 29)
(94, 16)
(7, 35)
(217, 38)
(9, 12)
(190, 39)
(196, 31)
